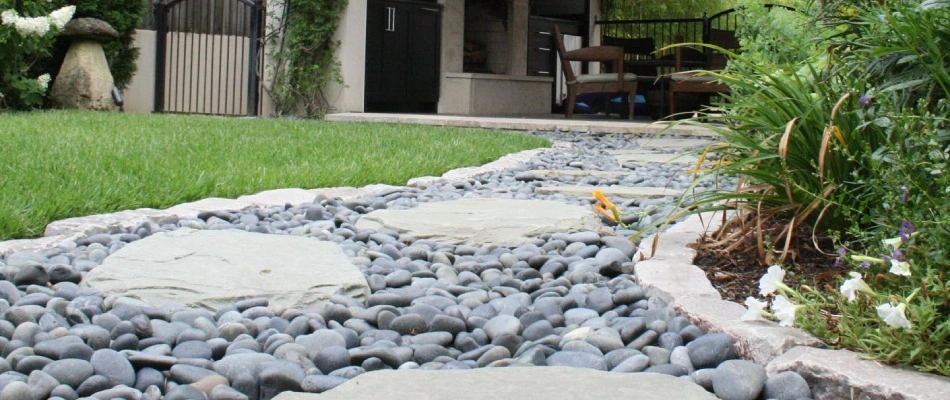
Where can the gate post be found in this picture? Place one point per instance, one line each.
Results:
(162, 30)
(252, 76)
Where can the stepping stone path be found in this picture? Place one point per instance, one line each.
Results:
(676, 144)
(625, 157)
(483, 221)
(616, 191)
(549, 383)
(209, 269)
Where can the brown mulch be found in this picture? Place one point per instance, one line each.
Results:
(735, 268)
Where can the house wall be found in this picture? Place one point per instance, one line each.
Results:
(348, 96)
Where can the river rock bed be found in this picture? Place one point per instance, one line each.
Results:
(564, 299)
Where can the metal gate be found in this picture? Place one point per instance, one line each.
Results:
(209, 56)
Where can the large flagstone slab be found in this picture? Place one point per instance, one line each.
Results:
(639, 156)
(548, 383)
(579, 172)
(483, 221)
(674, 143)
(629, 192)
(213, 268)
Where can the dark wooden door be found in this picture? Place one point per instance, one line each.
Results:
(423, 60)
(402, 55)
(387, 39)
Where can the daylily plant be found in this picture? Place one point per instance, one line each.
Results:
(607, 208)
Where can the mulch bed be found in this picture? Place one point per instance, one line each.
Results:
(735, 270)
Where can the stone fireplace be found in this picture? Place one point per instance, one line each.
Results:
(491, 78)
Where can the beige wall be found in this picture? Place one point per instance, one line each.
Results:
(139, 96)
(348, 97)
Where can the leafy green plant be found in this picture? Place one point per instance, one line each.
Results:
(123, 15)
(853, 142)
(304, 59)
(24, 41)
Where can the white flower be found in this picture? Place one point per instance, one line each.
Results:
(784, 310)
(43, 80)
(32, 26)
(756, 309)
(60, 17)
(851, 287)
(893, 316)
(893, 243)
(901, 268)
(772, 280)
(9, 17)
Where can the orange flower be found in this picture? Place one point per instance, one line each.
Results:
(599, 208)
(600, 197)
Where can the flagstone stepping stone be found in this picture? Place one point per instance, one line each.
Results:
(646, 156)
(213, 268)
(674, 143)
(549, 383)
(579, 172)
(483, 221)
(630, 192)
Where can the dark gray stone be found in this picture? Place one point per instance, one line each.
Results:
(192, 349)
(635, 363)
(577, 359)
(148, 376)
(331, 358)
(31, 275)
(710, 350)
(409, 324)
(94, 384)
(280, 376)
(788, 385)
(185, 374)
(70, 372)
(667, 369)
(185, 392)
(738, 380)
(113, 365)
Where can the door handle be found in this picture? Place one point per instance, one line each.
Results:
(390, 19)
(430, 9)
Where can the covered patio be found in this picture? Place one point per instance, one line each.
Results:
(488, 57)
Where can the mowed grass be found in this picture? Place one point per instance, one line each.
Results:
(60, 164)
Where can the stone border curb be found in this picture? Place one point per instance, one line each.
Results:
(666, 270)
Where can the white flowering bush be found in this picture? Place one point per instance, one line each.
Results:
(25, 41)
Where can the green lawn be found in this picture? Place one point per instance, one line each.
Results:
(60, 164)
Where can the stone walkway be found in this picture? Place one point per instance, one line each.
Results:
(666, 271)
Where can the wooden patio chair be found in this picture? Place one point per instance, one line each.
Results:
(613, 82)
(697, 81)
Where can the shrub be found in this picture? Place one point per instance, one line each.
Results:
(24, 41)
(123, 15)
(853, 140)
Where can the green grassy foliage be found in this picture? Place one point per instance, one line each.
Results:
(60, 164)
(850, 135)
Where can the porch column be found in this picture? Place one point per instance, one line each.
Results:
(518, 37)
